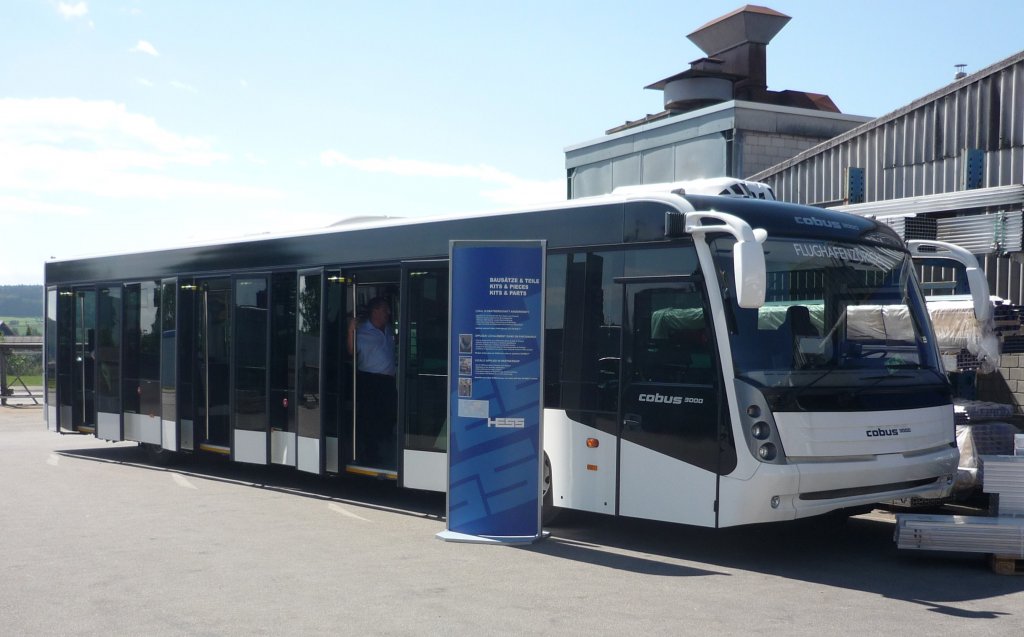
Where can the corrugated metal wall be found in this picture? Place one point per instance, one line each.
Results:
(921, 149)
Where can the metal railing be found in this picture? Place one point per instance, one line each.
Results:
(21, 368)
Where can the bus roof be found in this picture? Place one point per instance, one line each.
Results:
(606, 220)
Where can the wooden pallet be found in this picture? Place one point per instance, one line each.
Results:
(1004, 565)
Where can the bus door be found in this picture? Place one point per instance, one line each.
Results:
(83, 376)
(282, 397)
(170, 429)
(52, 362)
(337, 369)
(108, 363)
(669, 448)
(372, 343)
(212, 386)
(251, 323)
(61, 381)
(69, 371)
(423, 390)
(309, 380)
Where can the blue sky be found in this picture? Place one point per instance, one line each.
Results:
(135, 124)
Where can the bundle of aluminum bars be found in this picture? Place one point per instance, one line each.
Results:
(1004, 476)
(1002, 535)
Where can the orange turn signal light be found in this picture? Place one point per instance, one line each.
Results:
(593, 443)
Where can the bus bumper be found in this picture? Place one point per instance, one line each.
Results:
(807, 488)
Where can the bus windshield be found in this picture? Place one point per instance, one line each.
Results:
(836, 314)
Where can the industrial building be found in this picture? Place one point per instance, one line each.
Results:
(948, 166)
(719, 119)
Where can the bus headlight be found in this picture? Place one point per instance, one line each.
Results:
(760, 430)
(757, 427)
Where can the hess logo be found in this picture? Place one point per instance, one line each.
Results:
(821, 223)
(670, 400)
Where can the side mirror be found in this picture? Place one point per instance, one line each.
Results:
(979, 294)
(750, 273)
(976, 280)
(749, 268)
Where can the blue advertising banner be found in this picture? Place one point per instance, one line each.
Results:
(495, 391)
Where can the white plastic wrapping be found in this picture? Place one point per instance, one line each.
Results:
(957, 328)
(967, 471)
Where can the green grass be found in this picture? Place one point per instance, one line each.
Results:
(31, 381)
(20, 323)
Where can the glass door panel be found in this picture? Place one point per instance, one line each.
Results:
(140, 393)
(108, 363)
(281, 371)
(426, 357)
(83, 377)
(309, 313)
(65, 366)
(187, 300)
(50, 358)
(251, 322)
(337, 370)
(212, 393)
(424, 386)
(168, 363)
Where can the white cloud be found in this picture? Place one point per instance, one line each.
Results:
(260, 222)
(145, 47)
(11, 207)
(181, 86)
(526, 193)
(147, 83)
(54, 148)
(70, 11)
(514, 190)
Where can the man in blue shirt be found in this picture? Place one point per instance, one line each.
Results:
(375, 341)
(376, 396)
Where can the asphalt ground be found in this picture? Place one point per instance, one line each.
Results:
(95, 540)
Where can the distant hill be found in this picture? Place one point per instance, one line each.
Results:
(21, 300)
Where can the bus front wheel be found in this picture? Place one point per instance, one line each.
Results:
(549, 512)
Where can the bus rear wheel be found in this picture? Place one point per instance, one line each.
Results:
(157, 455)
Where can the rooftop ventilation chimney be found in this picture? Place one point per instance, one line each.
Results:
(735, 68)
(960, 73)
(738, 40)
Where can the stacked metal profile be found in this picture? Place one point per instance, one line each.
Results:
(1002, 535)
(1004, 476)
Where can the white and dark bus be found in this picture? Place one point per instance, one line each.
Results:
(709, 360)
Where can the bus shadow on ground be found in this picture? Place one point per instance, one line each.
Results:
(357, 491)
(856, 553)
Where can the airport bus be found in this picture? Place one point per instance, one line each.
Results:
(710, 360)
